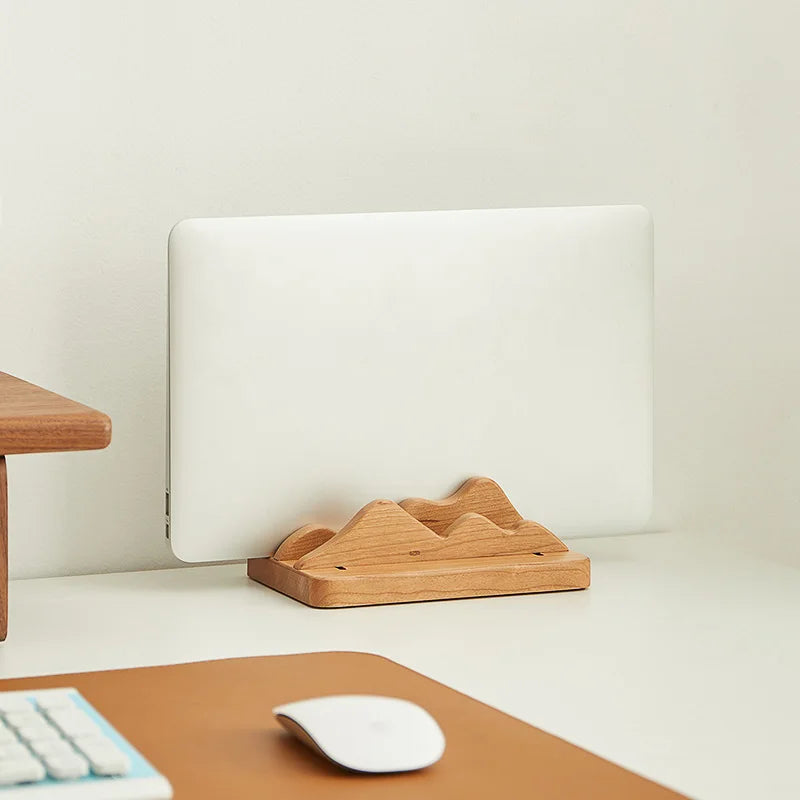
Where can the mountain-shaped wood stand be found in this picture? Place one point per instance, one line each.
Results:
(471, 544)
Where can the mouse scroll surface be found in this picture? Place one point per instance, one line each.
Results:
(366, 733)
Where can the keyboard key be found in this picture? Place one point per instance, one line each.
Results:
(10, 703)
(51, 747)
(15, 719)
(53, 702)
(7, 736)
(73, 722)
(66, 767)
(54, 741)
(105, 758)
(13, 752)
(38, 732)
(27, 770)
(89, 740)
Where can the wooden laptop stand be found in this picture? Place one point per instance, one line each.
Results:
(33, 420)
(471, 544)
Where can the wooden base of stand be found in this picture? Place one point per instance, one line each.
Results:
(437, 580)
(472, 544)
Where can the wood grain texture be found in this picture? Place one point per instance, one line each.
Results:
(216, 740)
(384, 533)
(35, 420)
(386, 554)
(302, 541)
(480, 495)
(3, 550)
(432, 580)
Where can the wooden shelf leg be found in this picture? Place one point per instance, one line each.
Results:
(3, 550)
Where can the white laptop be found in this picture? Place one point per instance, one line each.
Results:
(317, 363)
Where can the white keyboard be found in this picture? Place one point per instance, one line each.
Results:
(54, 745)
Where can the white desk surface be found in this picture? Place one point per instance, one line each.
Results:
(681, 662)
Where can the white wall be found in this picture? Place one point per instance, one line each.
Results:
(120, 118)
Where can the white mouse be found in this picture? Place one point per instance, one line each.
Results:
(365, 733)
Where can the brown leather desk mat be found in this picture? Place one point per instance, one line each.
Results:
(208, 727)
